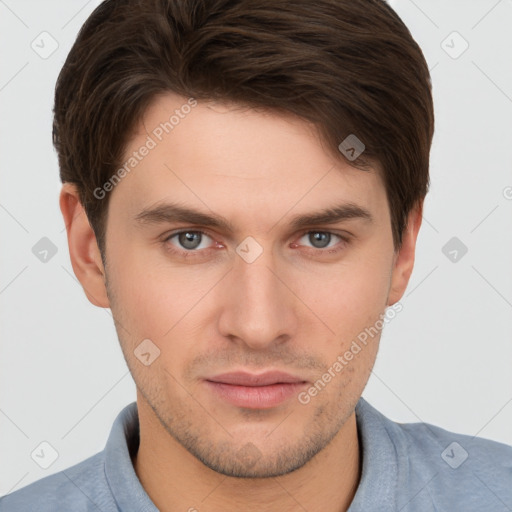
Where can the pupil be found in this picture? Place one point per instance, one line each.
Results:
(321, 237)
(187, 239)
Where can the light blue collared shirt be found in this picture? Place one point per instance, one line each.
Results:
(407, 467)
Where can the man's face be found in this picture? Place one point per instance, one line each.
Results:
(264, 295)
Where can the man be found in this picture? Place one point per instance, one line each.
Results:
(243, 185)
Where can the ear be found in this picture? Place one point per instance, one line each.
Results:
(403, 261)
(83, 247)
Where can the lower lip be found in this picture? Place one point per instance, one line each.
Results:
(256, 397)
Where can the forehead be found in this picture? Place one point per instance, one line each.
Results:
(230, 158)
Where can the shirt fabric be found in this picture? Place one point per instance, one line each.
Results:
(406, 467)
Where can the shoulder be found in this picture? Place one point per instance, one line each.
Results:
(82, 487)
(447, 470)
(468, 470)
(420, 466)
(456, 448)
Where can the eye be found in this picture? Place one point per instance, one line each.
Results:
(320, 239)
(321, 242)
(188, 240)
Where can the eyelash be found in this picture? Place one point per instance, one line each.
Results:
(345, 240)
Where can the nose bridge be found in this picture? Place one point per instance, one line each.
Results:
(260, 308)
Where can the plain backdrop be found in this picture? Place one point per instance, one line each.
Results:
(445, 359)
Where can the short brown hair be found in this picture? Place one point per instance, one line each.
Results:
(348, 66)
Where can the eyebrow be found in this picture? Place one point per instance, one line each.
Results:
(173, 212)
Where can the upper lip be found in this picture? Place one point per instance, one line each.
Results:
(260, 379)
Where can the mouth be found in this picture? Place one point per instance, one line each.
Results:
(262, 391)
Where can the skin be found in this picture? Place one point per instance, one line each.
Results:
(291, 309)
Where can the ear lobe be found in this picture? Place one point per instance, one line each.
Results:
(404, 259)
(83, 247)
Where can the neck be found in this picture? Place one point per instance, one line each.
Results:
(175, 480)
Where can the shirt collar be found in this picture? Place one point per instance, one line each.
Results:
(379, 472)
(122, 443)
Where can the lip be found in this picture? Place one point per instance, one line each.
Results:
(251, 379)
(261, 391)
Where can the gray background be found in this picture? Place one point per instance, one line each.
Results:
(445, 359)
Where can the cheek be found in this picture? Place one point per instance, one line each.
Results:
(155, 299)
(347, 297)
(140, 294)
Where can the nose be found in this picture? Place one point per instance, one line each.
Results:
(259, 307)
